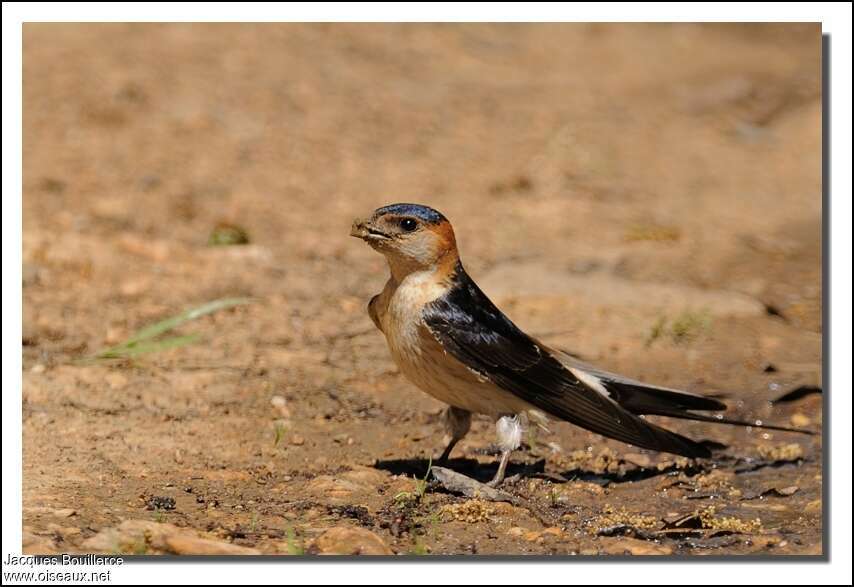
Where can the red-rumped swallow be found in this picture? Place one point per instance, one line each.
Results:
(452, 342)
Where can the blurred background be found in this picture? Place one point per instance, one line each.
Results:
(647, 196)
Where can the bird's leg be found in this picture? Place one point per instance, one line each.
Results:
(502, 468)
(509, 430)
(457, 424)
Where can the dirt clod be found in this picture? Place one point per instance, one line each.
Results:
(158, 502)
(349, 541)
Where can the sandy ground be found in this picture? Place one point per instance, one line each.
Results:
(645, 196)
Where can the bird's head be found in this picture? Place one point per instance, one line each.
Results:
(411, 236)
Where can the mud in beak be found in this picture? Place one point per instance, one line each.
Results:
(363, 229)
(359, 230)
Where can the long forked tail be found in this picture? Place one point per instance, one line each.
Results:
(651, 400)
(720, 419)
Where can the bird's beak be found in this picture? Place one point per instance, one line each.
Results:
(363, 229)
(359, 228)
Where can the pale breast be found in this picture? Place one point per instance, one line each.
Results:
(422, 359)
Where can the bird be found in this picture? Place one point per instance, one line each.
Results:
(452, 342)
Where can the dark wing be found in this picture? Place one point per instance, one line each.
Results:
(642, 398)
(474, 331)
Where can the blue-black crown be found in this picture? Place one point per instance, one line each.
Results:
(424, 213)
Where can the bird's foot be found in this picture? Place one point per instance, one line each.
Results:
(495, 483)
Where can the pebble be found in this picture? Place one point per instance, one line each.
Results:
(800, 420)
(116, 380)
(185, 544)
(638, 459)
(340, 489)
(813, 507)
(348, 541)
(157, 251)
(132, 536)
(134, 287)
(636, 548)
(281, 406)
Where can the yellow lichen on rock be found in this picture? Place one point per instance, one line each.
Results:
(711, 521)
(622, 517)
(471, 512)
(785, 452)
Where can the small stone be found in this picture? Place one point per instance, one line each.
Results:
(350, 541)
(159, 502)
(65, 531)
(64, 512)
(339, 490)
(134, 287)
(813, 507)
(281, 406)
(114, 335)
(38, 368)
(157, 251)
(297, 440)
(783, 453)
(115, 380)
(185, 544)
(800, 420)
(638, 459)
(516, 531)
(149, 537)
(636, 548)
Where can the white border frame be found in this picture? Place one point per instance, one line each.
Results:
(836, 20)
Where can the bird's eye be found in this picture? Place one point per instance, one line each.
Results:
(408, 224)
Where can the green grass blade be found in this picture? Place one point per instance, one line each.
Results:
(143, 341)
(171, 323)
(144, 347)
